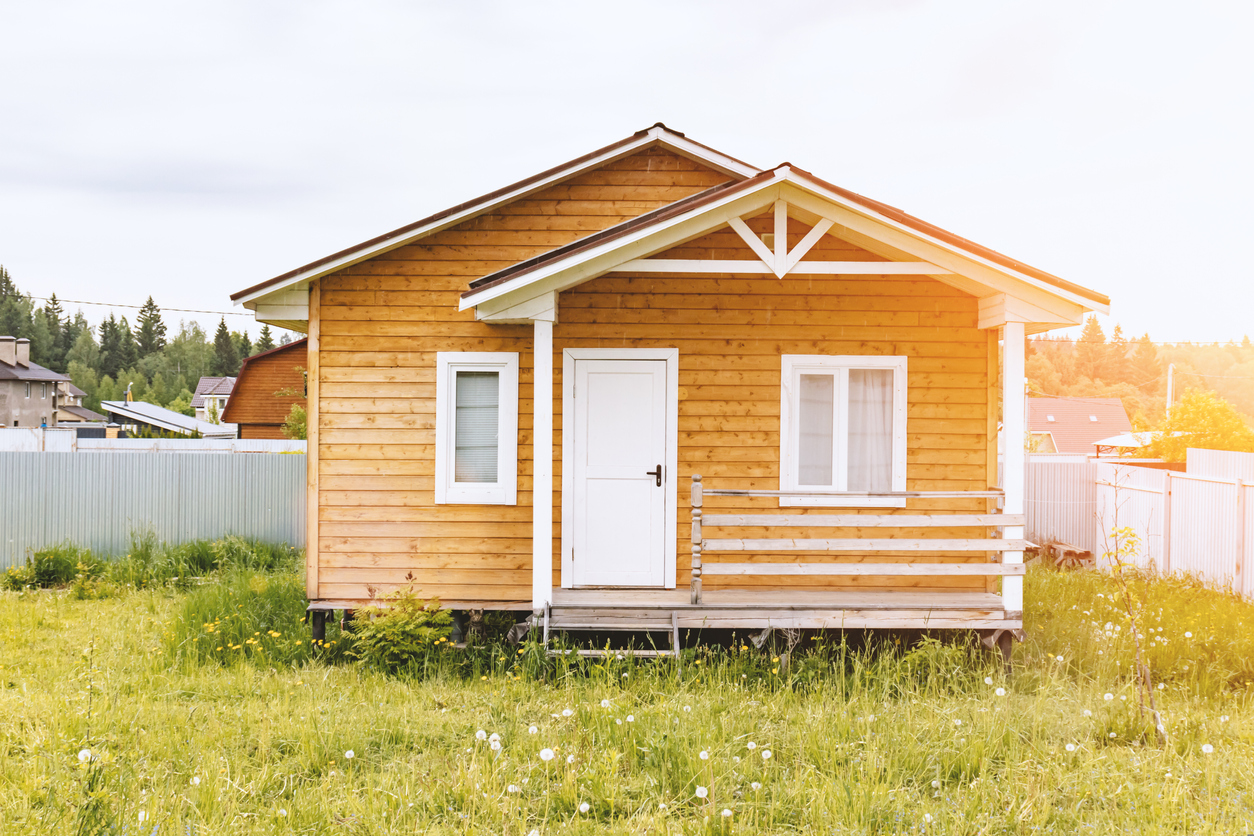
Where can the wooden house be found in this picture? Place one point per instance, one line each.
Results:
(268, 386)
(511, 402)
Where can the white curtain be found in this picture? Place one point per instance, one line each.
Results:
(476, 426)
(816, 423)
(870, 430)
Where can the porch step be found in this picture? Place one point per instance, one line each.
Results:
(598, 620)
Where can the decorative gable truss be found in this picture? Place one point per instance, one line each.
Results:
(1007, 290)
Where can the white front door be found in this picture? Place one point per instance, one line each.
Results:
(620, 482)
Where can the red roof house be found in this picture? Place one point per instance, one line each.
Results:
(1074, 425)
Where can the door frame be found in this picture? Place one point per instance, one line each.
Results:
(671, 484)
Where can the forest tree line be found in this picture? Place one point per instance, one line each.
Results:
(160, 368)
(1135, 371)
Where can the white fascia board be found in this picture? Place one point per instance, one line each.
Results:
(654, 136)
(1000, 308)
(857, 208)
(644, 242)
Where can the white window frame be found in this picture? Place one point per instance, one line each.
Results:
(795, 365)
(43, 391)
(447, 490)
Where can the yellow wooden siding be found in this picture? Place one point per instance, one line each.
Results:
(731, 331)
(382, 322)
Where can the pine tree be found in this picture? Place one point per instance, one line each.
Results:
(225, 355)
(1146, 368)
(54, 318)
(151, 334)
(265, 342)
(243, 346)
(111, 352)
(1090, 351)
(1117, 364)
(130, 352)
(15, 309)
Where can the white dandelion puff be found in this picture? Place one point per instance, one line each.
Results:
(618, 722)
(349, 755)
(495, 745)
(513, 788)
(494, 737)
(1111, 735)
(282, 813)
(988, 680)
(84, 755)
(751, 745)
(1059, 658)
(566, 712)
(1088, 713)
(766, 754)
(1108, 697)
(927, 817)
(935, 785)
(755, 786)
(1001, 692)
(1223, 718)
(1188, 635)
(705, 756)
(726, 813)
(585, 807)
(481, 735)
(546, 754)
(1070, 747)
(195, 781)
(143, 815)
(532, 730)
(605, 703)
(687, 708)
(702, 792)
(570, 758)
(1207, 748)
(631, 718)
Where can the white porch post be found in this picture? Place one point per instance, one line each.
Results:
(1014, 434)
(542, 468)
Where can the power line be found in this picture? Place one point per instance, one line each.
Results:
(137, 307)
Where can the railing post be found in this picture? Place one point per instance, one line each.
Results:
(696, 538)
(1014, 431)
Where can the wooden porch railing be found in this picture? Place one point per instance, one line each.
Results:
(702, 547)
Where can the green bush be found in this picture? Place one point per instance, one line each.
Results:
(53, 566)
(403, 635)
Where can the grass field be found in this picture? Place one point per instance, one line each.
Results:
(151, 712)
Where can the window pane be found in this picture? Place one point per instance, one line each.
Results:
(814, 453)
(476, 427)
(870, 430)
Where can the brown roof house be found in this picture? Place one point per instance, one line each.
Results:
(28, 391)
(1075, 425)
(269, 384)
(659, 386)
(212, 394)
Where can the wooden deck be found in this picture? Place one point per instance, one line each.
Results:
(590, 609)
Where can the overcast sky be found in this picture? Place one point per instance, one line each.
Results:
(188, 150)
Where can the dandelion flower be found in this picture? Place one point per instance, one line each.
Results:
(349, 755)
(687, 708)
(1111, 735)
(702, 792)
(534, 832)
(705, 756)
(618, 722)
(1108, 697)
(631, 718)
(532, 730)
(566, 712)
(570, 758)
(624, 676)
(195, 781)
(1001, 692)
(585, 807)
(927, 817)
(751, 745)
(957, 722)
(1161, 686)
(755, 785)
(513, 788)
(143, 815)
(1207, 748)
(481, 735)
(1223, 718)
(494, 745)
(988, 680)
(726, 813)
(935, 784)
(1070, 747)
(766, 754)
(1188, 635)
(546, 754)
(84, 755)
(605, 703)
(1088, 713)
(735, 758)
(494, 738)
(1059, 658)
(282, 813)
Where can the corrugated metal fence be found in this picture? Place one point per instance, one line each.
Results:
(1059, 496)
(97, 501)
(1187, 523)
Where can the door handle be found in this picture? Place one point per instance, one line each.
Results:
(657, 473)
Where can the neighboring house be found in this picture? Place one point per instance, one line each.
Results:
(28, 391)
(135, 416)
(1075, 425)
(212, 394)
(266, 389)
(70, 409)
(577, 346)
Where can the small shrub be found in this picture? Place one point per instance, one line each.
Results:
(404, 635)
(53, 566)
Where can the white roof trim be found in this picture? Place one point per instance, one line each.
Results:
(657, 135)
(631, 246)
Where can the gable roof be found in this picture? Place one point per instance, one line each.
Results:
(244, 407)
(655, 135)
(30, 372)
(166, 419)
(212, 386)
(1078, 423)
(631, 239)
